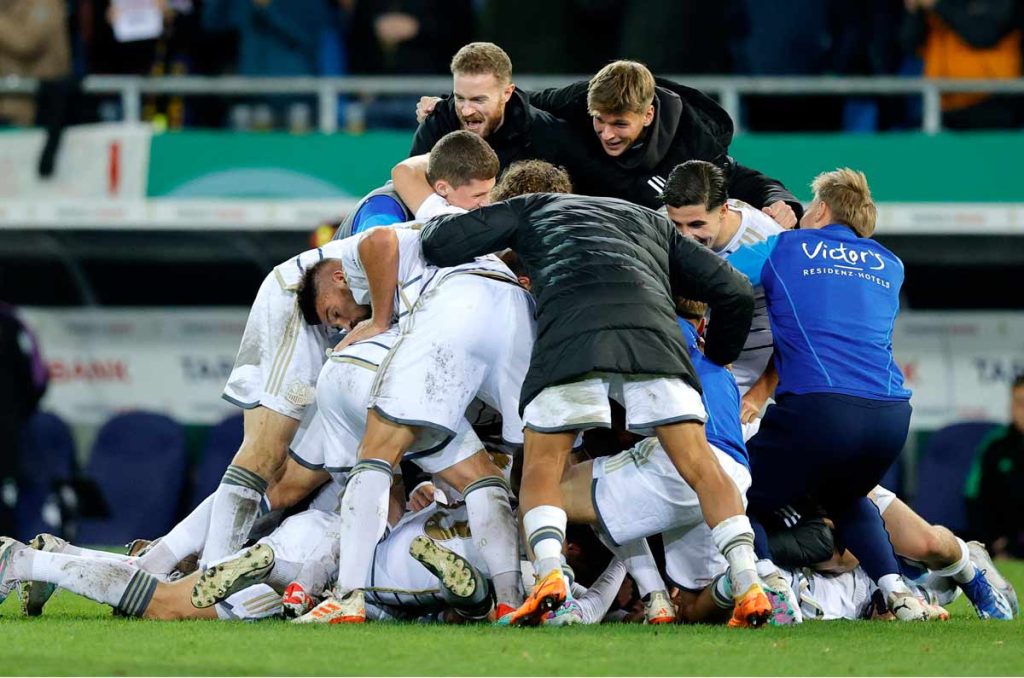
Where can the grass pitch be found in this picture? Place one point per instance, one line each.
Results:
(77, 637)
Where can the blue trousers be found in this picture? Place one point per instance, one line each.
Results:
(831, 450)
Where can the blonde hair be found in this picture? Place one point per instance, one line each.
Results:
(847, 195)
(483, 58)
(621, 87)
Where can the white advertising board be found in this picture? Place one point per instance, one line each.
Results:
(959, 365)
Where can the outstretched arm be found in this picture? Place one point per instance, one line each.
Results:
(699, 274)
(457, 238)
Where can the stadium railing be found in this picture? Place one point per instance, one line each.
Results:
(728, 89)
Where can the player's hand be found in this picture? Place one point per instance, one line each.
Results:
(753, 403)
(421, 496)
(393, 28)
(781, 213)
(425, 107)
(363, 331)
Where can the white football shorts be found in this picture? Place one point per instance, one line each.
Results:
(650, 401)
(469, 336)
(639, 493)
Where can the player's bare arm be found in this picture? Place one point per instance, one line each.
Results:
(378, 252)
(410, 180)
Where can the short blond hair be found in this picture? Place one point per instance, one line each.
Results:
(621, 87)
(483, 58)
(847, 195)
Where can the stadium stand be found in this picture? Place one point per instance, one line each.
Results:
(139, 463)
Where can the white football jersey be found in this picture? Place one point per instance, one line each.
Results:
(756, 226)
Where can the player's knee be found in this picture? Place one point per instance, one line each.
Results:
(470, 470)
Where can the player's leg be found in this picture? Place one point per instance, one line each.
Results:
(491, 519)
(113, 582)
(941, 551)
(364, 513)
(259, 462)
(463, 586)
(722, 507)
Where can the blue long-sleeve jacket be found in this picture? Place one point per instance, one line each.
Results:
(721, 398)
(832, 299)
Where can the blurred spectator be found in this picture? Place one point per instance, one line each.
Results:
(34, 43)
(23, 381)
(575, 37)
(651, 32)
(407, 36)
(403, 37)
(771, 42)
(994, 486)
(969, 39)
(276, 38)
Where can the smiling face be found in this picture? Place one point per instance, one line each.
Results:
(617, 132)
(480, 100)
(335, 305)
(699, 223)
(477, 193)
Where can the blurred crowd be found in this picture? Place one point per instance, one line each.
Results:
(55, 39)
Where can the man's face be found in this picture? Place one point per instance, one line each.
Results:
(477, 193)
(480, 100)
(335, 305)
(697, 222)
(1017, 408)
(619, 131)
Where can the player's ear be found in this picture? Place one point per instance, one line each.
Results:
(649, 115)
(507, 93)
(442, 188)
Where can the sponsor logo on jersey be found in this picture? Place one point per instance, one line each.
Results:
(300, 394)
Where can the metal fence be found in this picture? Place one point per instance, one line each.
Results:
(728, 90)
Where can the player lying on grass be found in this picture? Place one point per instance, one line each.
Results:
(413, 573)
(837, 588)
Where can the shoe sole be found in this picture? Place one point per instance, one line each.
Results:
(450, 568)
(35, 594)
(220, 581)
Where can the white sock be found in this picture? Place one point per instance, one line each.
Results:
(962, 571)
(236, 504)
(640, 564)
(892, 584)
(102, 580)
(185, 539)
(71, 550)
(495, 535)
(364, 516)
(545, 531)
(283, 573)
(598, 599)
(734, 538)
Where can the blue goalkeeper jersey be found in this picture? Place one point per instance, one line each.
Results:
(832, 299)
(721, 398)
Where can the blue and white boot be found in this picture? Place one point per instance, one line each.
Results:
(988, 602)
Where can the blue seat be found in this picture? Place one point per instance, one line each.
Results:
(222, 442)
(139, 463)
(46, 459)
(942, 471)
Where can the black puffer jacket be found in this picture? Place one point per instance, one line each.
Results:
(526, 133)
(603, 272)
(688, 125)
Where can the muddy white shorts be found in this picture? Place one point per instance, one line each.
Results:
(469, 336)
(280, 355)
(639, 493)
(650, 401)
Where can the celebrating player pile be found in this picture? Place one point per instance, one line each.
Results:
(496, 331)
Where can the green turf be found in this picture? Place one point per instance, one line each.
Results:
(76, 637)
